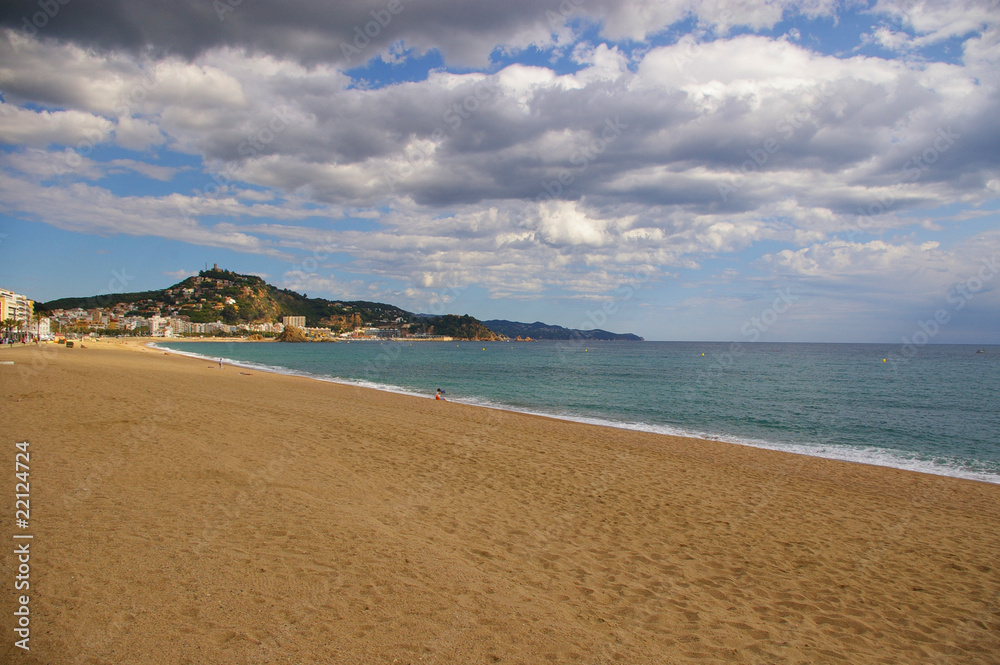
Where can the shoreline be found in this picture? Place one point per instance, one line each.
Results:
(889, 458)
(188, 513)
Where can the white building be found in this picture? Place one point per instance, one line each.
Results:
(157, 324)
(267, 326)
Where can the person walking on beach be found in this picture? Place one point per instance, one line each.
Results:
(220, 363)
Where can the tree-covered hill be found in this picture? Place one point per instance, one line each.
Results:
(233, 298)
(539, 330)
(459, 327)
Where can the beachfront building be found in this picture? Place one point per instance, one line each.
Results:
(15, 306)
(43, 328)
(297, 321)
(371, 332)
(133, 323)
(17, 310)
(265, 327)
(184, 327)
(158, 326)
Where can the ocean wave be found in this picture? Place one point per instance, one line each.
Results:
(871, 455)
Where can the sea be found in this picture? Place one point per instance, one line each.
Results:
(930, 408)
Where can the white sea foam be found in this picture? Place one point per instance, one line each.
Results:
(871, 455)
(278, 369)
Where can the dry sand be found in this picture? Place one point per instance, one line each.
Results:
(186, 514)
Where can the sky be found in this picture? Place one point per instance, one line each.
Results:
(723, 170)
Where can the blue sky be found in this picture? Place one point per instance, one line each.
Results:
(775, 171)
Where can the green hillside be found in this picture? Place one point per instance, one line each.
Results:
(459, 327)
(223, 295)
(234, 298)
(215, 295)
(539, 331)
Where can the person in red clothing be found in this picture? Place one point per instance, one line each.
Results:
(438, 395)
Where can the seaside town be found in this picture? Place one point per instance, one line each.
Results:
(221, 303)
(18, 321)
(323, 332)
(22, 324)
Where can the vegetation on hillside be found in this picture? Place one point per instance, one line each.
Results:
(459, 327)
(223, 295)
(233, 298)
(539, 330)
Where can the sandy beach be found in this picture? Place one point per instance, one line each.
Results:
(185, 514)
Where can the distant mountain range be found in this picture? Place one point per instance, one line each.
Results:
(539, 330)
(233, 298)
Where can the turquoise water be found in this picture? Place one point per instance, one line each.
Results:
(934, 408)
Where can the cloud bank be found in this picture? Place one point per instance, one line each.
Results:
(554, 150)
